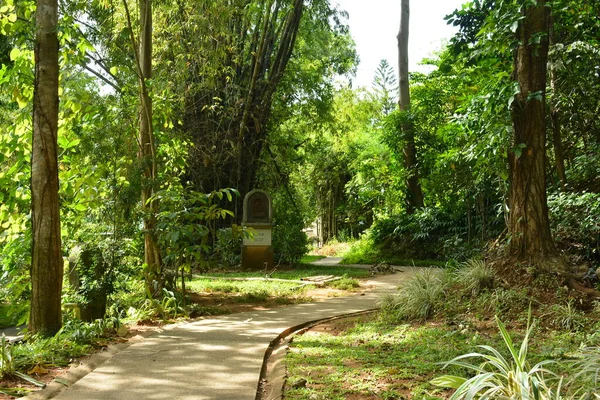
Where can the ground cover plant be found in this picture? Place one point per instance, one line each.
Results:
(30, 364)
(454, 329)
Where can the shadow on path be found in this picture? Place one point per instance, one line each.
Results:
(216, 358)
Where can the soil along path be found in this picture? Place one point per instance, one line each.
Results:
(219, 358)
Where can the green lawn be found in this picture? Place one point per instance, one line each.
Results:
(367, 358)
(261, 290)
(299, 272)
(311, 258)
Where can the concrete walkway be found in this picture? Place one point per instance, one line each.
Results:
(216, 358)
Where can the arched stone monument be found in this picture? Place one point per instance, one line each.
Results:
(258, 215)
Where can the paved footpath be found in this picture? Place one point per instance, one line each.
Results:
(216, 358)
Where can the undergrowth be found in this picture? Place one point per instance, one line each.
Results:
(553, 347)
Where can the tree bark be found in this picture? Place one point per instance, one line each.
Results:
(528, 227)
(46, 263)
(414, 198)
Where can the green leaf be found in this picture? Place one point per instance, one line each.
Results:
(30, 379)
(450, 381)
(12, 17)
(113, 70)
(14, 54)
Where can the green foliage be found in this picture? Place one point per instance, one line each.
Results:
(475, 276)
(575, 221)
(7, 366)
(186, 225)
(417, 298)
(290, 243)
(427, 234)
(586, 364)
(567, 316)
(227, 249)
(501, 377)
(345, 283)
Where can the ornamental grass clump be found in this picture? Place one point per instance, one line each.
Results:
(475, 276)
(499, 377)
(418, 298)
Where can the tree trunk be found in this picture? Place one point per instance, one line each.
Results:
(414, 198)
(147, 155)
(46, 262)
(559, 158)
(529, 228)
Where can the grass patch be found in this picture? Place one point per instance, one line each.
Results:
(268, 292)
(452, 313)
(364, 252)
(248, 289)
(299, 272)
(371, 358)
(308, 258)
(346, 283)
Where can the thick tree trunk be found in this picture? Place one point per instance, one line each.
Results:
(414, 198)
(147, 155)
(529, 228)
(46, 262)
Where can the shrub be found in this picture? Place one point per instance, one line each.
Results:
(427, 234)
(575, 222)
(587, 378)
(228, 246)
(567, 317)
(290, 243)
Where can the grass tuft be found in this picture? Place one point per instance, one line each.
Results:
(475, 276)
(418, 298)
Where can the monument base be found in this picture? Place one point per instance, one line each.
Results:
(255, 257)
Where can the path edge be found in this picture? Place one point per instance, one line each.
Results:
(271, 380)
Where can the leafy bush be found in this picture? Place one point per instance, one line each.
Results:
(290, 243)
(575, 222)
(417, 298)
(429, 233)
(186, 225)
(228, 246)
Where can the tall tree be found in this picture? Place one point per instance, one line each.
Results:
(414, 198)
(528, 225)
(147, 150)
(385, 86)
(147, 154)
(47, 262)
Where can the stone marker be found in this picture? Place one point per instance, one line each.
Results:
(258, 215)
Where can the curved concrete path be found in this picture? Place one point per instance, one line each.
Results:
(216, 358)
